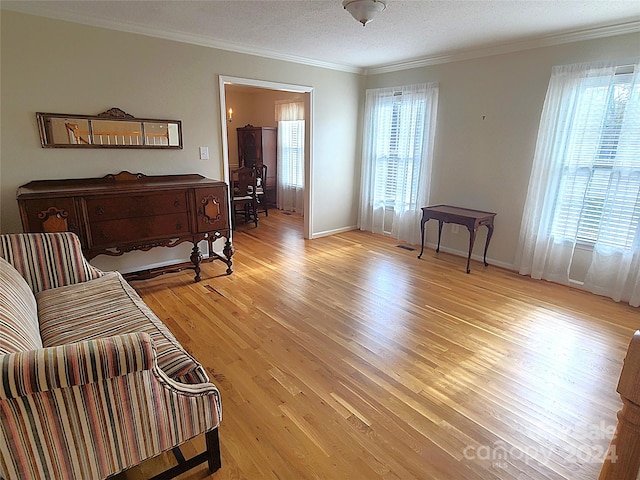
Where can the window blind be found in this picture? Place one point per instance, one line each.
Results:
(292, 152)
(599, 192)
(399, 148)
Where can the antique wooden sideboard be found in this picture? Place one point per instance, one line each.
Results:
(124, 212)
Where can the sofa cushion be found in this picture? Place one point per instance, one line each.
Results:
(105, 307)
(47, 260)
(18, 312)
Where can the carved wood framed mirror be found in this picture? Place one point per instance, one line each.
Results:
(111, 129)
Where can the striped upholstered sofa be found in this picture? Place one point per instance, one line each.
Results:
(91, 381)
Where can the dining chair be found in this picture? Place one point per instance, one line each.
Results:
(244, 201)
(261, 189)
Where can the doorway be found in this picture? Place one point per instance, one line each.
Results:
(230, 120)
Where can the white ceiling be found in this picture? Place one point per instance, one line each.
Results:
(320, 32)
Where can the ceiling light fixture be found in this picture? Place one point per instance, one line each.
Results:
(364, 10)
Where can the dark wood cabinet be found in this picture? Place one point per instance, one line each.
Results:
(257, 146)
(124, 212)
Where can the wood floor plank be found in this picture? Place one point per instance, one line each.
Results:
(346, 357)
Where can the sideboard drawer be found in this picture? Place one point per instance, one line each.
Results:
(124, 230)
(111, 208)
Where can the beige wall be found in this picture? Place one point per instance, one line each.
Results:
(55, 66)
(484, 163)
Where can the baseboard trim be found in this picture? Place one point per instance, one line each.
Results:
(326, 233)
(460, 253)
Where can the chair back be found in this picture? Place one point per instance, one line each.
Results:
(262, 178)
(244, 181)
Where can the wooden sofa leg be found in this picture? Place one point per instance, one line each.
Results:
(178, 454)
(213, 450)
(211, 456)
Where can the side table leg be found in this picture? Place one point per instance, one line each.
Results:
(196, 259)
(472, 240)
(486, 246)
(439, 235)
(422, 222)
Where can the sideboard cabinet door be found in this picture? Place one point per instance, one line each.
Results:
(212, 209)
(50, 215)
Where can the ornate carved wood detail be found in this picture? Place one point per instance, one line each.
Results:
(122, 249)
(124, 176)
(228, 252)
(54, 220)
(196, 259)
(115, 112)
(149, 245)
(210, 209)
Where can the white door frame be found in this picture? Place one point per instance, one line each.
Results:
(308, 154)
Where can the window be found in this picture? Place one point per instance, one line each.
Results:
(600, 174)
(291, 132)
(585, 181)
(397, 154)
(292, 148)
(399, 147)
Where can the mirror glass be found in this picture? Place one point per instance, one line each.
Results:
(111, 129)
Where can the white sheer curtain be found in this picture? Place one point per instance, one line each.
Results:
(584, 191)
(290, 189)
(397, 155)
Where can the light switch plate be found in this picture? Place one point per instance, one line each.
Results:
(204, 153)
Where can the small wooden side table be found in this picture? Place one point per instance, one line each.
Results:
(472, 219)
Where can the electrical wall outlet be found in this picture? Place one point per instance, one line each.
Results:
(455, 228)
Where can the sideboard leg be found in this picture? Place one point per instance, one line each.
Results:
(196, 259)
(228, 252)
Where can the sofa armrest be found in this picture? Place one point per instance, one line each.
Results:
(188, 389)
(47, 260)
(74, 364)
(94, 408)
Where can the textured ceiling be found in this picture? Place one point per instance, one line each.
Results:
(321, 32)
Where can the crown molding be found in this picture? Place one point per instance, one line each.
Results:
(468, 54)
(544, 41)
(200, 40)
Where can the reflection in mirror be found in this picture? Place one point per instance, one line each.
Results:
(108, 132)
(69, 131)
(77, 131)
(113, 128)
(161, 133)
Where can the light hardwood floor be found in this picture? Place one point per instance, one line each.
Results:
(346, 357)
